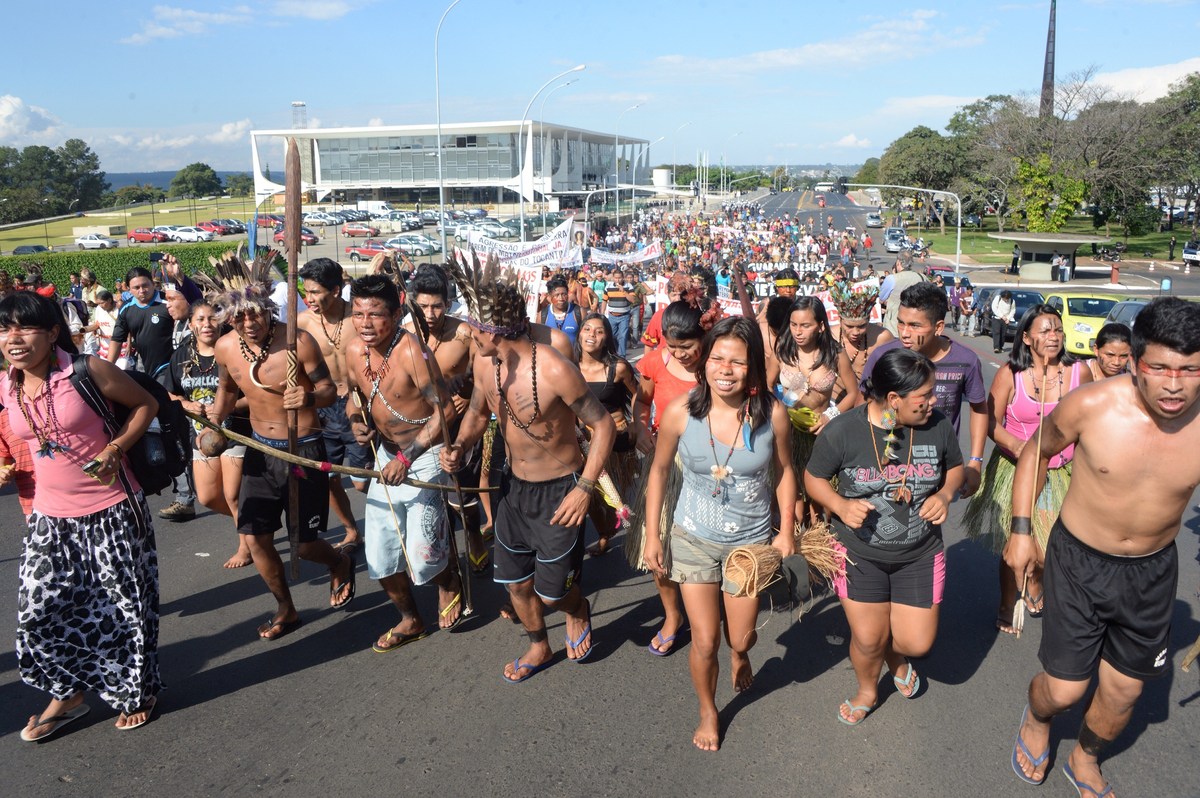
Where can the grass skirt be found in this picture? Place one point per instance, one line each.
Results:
(635, 539)
(624, 468)
(989, 515)
(802, 446)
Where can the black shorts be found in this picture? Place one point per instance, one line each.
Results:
(528, 545)
(468, 476)
(264, 495)
(340, 445)
(920, 583)
(1100, 606)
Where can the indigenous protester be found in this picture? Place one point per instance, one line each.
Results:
(1031, 384)
(611, 380)
(406, 534)
(1111, 562)
(809, 362)
(537, 395)
(665, 375)
(561, 313)
(326, 320)
(191, 378)
(921, 321)
(857, 334)
(87, 615)
(732, 439)
(678, 290)
(449, 340)
(1111, 349)
(252, 359)
(898, 466)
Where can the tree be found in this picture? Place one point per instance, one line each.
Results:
(1048, 196)
(1177, 156)
(922, 158)
(868, 172)
(195, 180)
(79, 183)
(127, 195)
(240, 185)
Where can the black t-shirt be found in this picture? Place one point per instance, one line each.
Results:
(149, 327)
(196, 381)
(893, 532)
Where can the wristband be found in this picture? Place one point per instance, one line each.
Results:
(974, 459)
(832, 412)
(403, 458)
(120, 451)
(1021, 526)
(586, 485)
(310, 399)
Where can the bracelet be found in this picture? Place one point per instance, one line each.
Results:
(586, 485)
(974, 459)
(403, 458)
(832, 412)
(310, 399)
(1021, 526)
(120, 451)
(414, 451)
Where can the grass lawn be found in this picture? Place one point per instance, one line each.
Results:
(982, 249)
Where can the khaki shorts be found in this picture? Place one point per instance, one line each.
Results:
(693, 560)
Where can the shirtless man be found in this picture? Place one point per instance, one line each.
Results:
(326, 321)
(1111, 564)
(543, 499)
(405, 531)
(252, 358)
(450, 342)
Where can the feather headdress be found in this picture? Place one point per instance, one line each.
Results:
(239, 286)
(853, 304)
(494, 296)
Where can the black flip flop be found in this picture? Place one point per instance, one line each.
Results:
(349, 551)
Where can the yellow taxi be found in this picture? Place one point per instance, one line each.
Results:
(1083, 314)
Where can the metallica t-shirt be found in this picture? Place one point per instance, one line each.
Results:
(893, 532)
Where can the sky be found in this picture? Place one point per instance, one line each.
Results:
(155, 86)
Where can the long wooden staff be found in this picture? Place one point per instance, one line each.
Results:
(291, 226)
(434, 396)
(1018, 619)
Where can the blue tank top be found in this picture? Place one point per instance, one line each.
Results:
(736, 510)
(569, 325)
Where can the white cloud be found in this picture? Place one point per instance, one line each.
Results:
(315, 9)
(1148, 83)
(230, 132)
(20, 121)
(851, 140)
(374, 122)
(169, 22)
(938, 107)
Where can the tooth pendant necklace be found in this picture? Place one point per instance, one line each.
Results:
(720, 471)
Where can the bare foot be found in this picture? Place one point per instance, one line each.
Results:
(743, 671)
(1086, 771)
(579, 632)
(240, 559)
(708, 733)
(860, 699)
(1036, 737)
(53, 709)
(508, 613)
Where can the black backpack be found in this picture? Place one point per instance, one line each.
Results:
(157, 457)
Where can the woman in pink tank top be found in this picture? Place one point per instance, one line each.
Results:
(87, 609)
(1032, 383)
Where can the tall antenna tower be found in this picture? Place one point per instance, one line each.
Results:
(299, 115)
(1046, 108)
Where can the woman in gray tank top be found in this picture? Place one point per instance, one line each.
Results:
(730, 435)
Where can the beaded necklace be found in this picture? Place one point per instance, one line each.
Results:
(192, 367)
(537, 410)
(377, 377)
(335, 339)
(248, 354)
(902, 493)
(1037, 390)
(48, 437)
(854, 358)
(720, 471)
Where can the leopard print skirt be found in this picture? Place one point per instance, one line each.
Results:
(87, 605)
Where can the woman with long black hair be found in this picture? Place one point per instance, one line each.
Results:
(731, 438)
(87, 603)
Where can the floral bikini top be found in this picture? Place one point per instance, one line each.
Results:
(796, 380)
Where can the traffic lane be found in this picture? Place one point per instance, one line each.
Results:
(318, 711)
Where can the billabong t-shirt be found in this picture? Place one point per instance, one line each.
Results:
(959, 376)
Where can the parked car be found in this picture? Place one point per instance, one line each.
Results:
(366, 250)
(972, 220)
(306, 236)
(409, 245)
(1024, 299)
(191, 234)
(167, 230)
(30, 249)
(476, 213)
(874, 220)
(95, 241)
(463, 229)
(144, 235)
(269, 219)
(429, 217)
(493, 229)
(420, 238)
(1126, 311)
(1083, 314)
(320, 219)
(215, 227)
(234, 226)
(359, 229)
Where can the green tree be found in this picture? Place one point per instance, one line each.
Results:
(240, 185)
(1048, 196)
(127, 195)
(79, 183)
(868, 172)
(922, 158)
(195, 180)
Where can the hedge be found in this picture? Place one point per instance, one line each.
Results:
(111, 265)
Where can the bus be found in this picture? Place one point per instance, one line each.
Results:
(823, 188)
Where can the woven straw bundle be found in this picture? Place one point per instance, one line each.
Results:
(755, 567)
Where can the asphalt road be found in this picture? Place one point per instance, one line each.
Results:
(318, 713)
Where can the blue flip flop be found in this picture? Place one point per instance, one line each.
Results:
(912, 681)
(1035, 761)
(662, 641)
(864, 709)
(587, 630)
(534, 670)
(1080, 786)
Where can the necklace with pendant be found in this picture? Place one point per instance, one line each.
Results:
(48, 436)
(901, 494)
(248, 354)
(720, 471)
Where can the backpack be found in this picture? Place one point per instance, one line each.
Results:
(159, 455)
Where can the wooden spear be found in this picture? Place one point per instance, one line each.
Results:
(291, 235)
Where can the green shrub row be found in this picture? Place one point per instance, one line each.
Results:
(111, 265)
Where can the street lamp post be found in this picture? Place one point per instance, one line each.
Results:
(542, 139)
(437, 104)
(673, 145)
(521, 145)
(587, 213)
(646, 155)
(45, 227)
(617, 158)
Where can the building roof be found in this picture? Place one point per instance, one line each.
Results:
(1050, 238)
